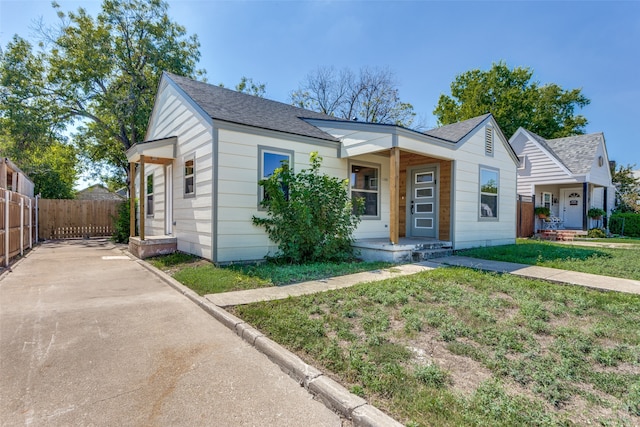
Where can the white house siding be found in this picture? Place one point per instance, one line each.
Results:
(237, 238)
(600, 175)
(175, 116)
(539, 168)
(469, 230)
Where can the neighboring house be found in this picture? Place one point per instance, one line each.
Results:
(569, 175)
(97, 192)
(207, 147)
(13, 179)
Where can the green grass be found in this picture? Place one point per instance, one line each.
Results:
(628, 240)
(205, 278)
(623, 263)
(555, 355)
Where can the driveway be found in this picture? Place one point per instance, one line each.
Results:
(90, 337)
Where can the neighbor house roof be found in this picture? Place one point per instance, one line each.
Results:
(456, 131)
(577, 153)
(236, 107)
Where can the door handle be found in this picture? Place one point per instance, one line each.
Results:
(412, 207)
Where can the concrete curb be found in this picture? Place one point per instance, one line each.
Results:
(331, 393)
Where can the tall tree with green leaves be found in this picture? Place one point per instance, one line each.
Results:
(627, 188)
(31, 126)
(371, 95)
(515, 100)
(104, 72)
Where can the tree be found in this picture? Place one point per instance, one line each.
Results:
(104, 72)
(514, 100)
(30, 125)
(371, 95)
(247, 85)
(627, 188)
(309, 215)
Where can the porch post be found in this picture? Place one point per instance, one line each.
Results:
(585, 205)
(142, 197)
(394, 195)
(605, 219)
(132, 200)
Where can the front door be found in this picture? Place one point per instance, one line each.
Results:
(422, 203)
(571, 207)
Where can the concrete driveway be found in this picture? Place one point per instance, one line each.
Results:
(90, 337)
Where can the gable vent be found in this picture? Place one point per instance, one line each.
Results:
(488, 141)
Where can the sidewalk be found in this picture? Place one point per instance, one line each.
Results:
(555, 275)
(605, 283)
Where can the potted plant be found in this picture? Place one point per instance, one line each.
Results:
(595, 213)
(542, 211)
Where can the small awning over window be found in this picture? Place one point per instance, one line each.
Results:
(156, 151)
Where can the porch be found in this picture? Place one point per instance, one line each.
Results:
(408, 249)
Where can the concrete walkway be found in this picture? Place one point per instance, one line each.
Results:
(282, 292)
(88, 336)
(606, 283)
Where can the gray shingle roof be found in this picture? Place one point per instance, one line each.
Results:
(231, 106)
(577, 153)
(456, 131)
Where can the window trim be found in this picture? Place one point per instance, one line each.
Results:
(191, 158)
(480, 193)
(262, 149)
(149, 202)
(377, 166)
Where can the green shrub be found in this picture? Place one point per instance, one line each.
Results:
(596, 233)
(309, 215)
(595, 213)
(121, 223)
(627, 224)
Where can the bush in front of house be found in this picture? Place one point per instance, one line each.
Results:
(121, 223)
(309, 215)
(626, 224)
(596, 233)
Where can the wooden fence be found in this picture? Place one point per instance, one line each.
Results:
(17, 225)
(66, 219)
(525, 220)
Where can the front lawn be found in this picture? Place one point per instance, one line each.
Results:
(205, 278)
(623, 263)
(455, 346)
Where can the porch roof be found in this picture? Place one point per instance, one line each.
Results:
(157, 150)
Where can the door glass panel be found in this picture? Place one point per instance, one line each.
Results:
(424, 192)
(424, 207)
(424, 177)
(424, 223)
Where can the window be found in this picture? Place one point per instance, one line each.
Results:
(488, 141)
(364, 185)
(150, 195)
(489, 183)
(189, 178)
(547, 200)
(270, 160)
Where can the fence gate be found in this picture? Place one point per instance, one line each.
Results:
(66, 219)
(526, 218)
(17, 225)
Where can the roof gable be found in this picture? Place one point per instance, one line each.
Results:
(455, 132)
(236, 107)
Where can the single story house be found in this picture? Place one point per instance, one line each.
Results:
(207, 147)
(568, 175)
(98, 192)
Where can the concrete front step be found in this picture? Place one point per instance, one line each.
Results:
(433, 245)
(426, 254)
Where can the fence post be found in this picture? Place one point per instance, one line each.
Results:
(7, 197)
(21, 226)
(37, 220)
(30, 224)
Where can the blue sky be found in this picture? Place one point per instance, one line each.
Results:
(592, 45)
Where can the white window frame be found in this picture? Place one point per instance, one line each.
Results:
(377, 181)
(149, 195)
(262, 150)
(496, 215)
(192, 176)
